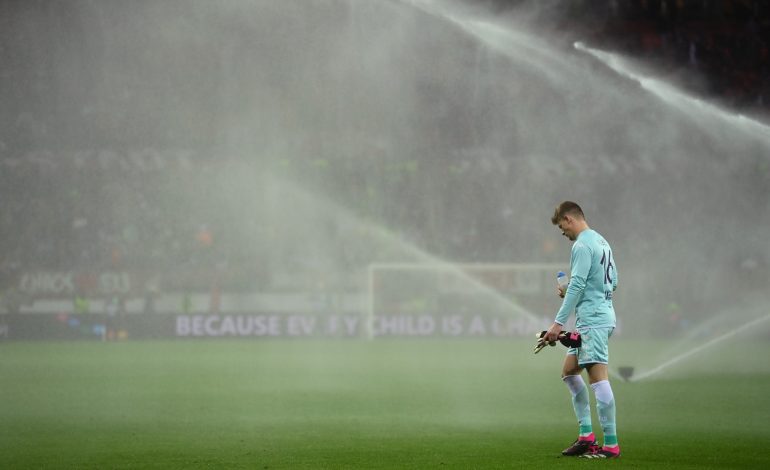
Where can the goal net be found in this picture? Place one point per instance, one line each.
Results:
(411, 299)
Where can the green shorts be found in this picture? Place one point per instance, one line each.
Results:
(595, 348)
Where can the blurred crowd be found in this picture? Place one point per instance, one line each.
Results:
(102, 211)
(190, 218)
(90, 180)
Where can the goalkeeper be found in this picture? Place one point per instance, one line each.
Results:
(593, 279)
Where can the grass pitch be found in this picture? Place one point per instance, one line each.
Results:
(356, 404)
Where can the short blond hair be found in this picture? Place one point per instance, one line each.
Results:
(566, 207)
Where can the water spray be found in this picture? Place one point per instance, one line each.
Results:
(420, 255)
(671, 95)
(698, 349)
(520, 46)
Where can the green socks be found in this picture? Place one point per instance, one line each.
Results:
(605, 407)
(580, 402)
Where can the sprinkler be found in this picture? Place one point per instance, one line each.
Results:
(626, 372)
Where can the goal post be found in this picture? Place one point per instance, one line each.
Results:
(431, 291)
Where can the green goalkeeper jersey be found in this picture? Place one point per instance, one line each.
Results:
(593, 279)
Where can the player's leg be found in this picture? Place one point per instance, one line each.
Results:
(597, 351)
(586, 441)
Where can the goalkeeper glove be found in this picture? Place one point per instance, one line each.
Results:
(570, 339)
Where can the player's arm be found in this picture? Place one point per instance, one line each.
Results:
(580, 264)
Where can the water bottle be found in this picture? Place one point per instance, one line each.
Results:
(562, 280)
